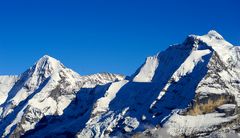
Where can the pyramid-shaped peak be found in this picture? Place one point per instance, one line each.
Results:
(214, 34)
(47, 64)
(47, 60)
(47, 56)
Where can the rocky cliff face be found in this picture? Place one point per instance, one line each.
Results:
(47, 88)
(190, 89)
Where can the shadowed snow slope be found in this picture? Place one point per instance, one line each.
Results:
(47, 88)
(52, 100)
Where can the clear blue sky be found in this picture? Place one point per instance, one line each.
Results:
(105, 35)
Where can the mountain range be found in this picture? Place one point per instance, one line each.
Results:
(191, 89)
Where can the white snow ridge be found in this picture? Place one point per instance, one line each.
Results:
(191, 89)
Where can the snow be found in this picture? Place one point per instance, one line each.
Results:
(227, 106)
(47, 88)
(221, 46)
(179, 125)
(90, 81)
(131, 124)
(102, 104)
(187, 67)
(214, 34)
(6, 84)
(38, 81)
(32, 78)
(147, 71)
(109, 103)
(15, 121)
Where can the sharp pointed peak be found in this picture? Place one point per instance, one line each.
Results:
(47, 63)
(46, 59)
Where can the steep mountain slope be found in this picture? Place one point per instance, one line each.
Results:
(35, 93)
(172, 93)
(215, 83)
(6, 83)
(47, 88)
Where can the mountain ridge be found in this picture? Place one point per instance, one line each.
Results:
(187, 81)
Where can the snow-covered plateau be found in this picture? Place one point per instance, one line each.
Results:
(191, 89)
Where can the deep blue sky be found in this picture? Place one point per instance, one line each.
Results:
(105, 35)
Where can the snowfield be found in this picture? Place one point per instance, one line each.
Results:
(189, 125)
(189, 90)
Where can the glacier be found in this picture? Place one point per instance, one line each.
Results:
(190, 90)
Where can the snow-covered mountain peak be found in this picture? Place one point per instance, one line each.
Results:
(173, 91)
(191, 51)
(47, 65)
(47, 88)
(214, 34)
(213, 39)
(47, 58)
(41, 70)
